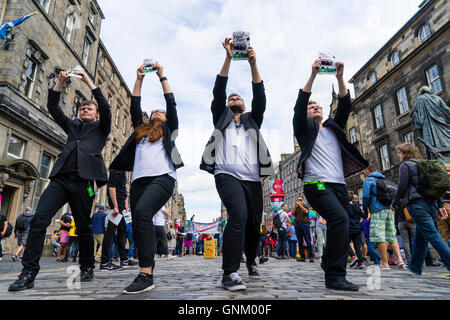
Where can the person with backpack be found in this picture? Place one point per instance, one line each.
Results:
(424, 206)
(21, 229)
(378, 193)
(65, 221)
(281, 223)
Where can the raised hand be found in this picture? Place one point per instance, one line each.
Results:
(85, 78)
(140, 72)
(62, 79)
(316, 66)
(251, 56)
(340, 69)
(228, 45)
(160, 71)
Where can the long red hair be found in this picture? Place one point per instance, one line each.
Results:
(151, 129)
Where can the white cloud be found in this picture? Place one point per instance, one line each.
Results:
(186, 36)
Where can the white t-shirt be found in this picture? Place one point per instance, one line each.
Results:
(237, 155)
(151, 160)
(159, 219)
(284, 217)
(325, 162)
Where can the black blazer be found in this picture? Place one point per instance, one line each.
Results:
(89, 138)
(306, 131)
(222, 116)
(125, 159)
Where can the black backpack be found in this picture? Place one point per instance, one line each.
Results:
(386, 191)
(9, 230)
(169, 235)
(21, 223)
(277, 221)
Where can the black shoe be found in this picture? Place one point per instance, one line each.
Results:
(25, 281)
(233, 282)
(127, 263)
(342, 285)
(253, 272)
(142, 283)
(74, 260)
(64, 260)
(110, 267)
(263, 259)
(302, 259)
(87, 275)
(311, 260)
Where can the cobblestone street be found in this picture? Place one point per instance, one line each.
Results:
(196, 278)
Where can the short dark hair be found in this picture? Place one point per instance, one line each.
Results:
(371, 167)
(235, 95)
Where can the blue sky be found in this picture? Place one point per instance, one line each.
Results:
(185, 37)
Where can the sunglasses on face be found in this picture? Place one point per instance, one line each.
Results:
(158, 111)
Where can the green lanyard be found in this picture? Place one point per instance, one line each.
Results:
(320, 184)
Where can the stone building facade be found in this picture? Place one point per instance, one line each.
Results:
(62, 35)
(387, 86)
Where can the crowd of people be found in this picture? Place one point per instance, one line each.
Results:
(332, 223)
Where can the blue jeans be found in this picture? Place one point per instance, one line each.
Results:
(424, 216)
(131, 244)
(292, 248)
(372, 252)
(303, 232)
(282, 234)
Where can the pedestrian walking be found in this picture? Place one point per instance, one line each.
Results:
(180, 239)
(65, 223)
(284, 223)
(423, 210)
(98, 230)
(150, 153)
(21, 230)
(237, 157)
(292, 241)
(72, 179)
(72, 245)
(172, 241)
(321, 234)
(159, 220)
(323, 170)
(382, 218)
(355, 216)
(117, 201)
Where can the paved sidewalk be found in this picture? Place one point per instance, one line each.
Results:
(196, 278)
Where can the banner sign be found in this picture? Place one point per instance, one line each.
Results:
(197, 227)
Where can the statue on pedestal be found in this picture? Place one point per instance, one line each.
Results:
(431, 119)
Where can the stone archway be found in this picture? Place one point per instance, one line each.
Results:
(18, 169)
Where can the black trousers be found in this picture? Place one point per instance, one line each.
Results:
(121, 229)
(357, 243)
(161, 239)
(60, 191)
(282, 235)
(147, 196)
(244, 203)
(332, 205)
